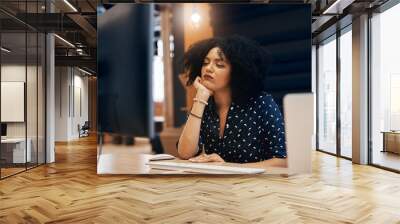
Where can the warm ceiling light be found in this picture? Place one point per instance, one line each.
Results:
(65, 41)
(5, 50)
(70, 5)
(195, 17)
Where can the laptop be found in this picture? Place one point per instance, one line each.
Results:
(299, 131)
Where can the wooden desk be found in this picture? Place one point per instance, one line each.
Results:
(122, 161)
(391, 141)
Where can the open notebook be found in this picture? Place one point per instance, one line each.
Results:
(205, 168)
(158, 157)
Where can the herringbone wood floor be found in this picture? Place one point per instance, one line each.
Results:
(69, 191)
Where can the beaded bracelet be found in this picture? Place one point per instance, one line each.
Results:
(194, 115)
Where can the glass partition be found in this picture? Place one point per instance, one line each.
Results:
(14, 153)
(385, 89)
(22, 77)
(31, 99)
(41, 109)
(327, 95)
(346, 93)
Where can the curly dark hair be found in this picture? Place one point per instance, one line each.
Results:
(249, 64)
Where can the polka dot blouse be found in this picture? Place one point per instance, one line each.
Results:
(253, 132)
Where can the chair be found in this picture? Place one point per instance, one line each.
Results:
(84, 130)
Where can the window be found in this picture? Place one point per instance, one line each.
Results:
(158, 77)
(346, 93)
(385, 88)
(327, 95)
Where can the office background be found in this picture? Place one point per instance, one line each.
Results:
(355, 46)
(334, 41)
(22, 108)
(284, 30)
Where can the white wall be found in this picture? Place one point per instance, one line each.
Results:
(71, 94)
(61, 103)
(15, 72)
(80, 110)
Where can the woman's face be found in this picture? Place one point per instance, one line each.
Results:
(216, 70)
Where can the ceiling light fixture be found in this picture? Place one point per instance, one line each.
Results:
(195, 17)
(79, 51)
(331, 7)
(86, 72)
(64, 40)
(337, 7)
(70, 5)
(5, 50)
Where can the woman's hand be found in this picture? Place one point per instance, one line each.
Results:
(202, 92)
(205, 158)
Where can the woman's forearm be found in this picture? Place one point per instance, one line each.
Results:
(188, 141)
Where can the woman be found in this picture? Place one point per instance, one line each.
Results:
(232, 118)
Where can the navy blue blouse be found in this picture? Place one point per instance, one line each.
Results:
(253, 132)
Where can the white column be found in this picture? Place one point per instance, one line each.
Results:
(360, 90)
(314, 91)
(50, 98)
